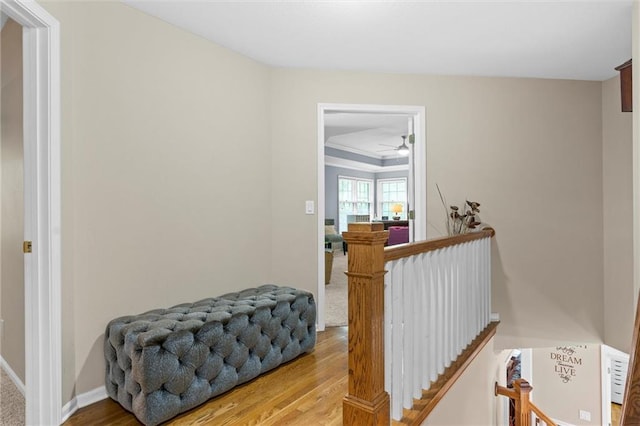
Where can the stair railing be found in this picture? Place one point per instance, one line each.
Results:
(524, 408)
(420, 325)
(630, 413)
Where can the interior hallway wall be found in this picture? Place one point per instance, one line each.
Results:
(617, 203)
(529, 150)
(567, 380)
(165, 187)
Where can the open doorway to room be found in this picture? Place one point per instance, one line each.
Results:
(41, 309)
(12, 289)
(371, 167)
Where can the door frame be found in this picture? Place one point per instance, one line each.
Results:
(420, 177)
(41, 68)
(606, 354)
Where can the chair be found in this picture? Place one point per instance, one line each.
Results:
(331, 235)
(398, 235)
(358, 218)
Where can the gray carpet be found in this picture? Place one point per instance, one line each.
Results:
(336, 300)
(11, 402)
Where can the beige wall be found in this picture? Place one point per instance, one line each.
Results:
(529, 150)
(471, 401)
(12, 228)
(165, 191)
(617, 183)
(563, 398)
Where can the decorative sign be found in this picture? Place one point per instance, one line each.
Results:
(567, 363)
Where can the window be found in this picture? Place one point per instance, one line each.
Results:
(355, 197)
(391, 192)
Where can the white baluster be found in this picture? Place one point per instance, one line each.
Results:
(388, 309)
(440, 310)
(433, 301)
(408, 336)
(447, 307)
(455, 282)
(421, 329)
(487, 275)
(396, 345)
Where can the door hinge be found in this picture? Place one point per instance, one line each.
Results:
(412, 214)
(26, 247)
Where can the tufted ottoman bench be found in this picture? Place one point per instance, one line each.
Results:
(167, 361)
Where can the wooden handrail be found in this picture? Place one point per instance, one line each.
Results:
(410, 249)
(630, 414)
(523, 405)
(541, 415)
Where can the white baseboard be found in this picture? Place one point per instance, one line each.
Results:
(561, 423)
(494, 317)
(68, 409)
(82, 400)
(12, 375)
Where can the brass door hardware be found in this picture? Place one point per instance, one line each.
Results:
(26, 247)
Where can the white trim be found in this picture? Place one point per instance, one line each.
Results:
(41, 47)
(379, 182)
(420, 157)
(12, 375)
(526, 367)
(69, 409)
(561, 423)
(83, 400)
(320, 222)
(355, 165)
(605, 385)
(606, 354)
(372, 207)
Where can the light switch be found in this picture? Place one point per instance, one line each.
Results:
(309, 207)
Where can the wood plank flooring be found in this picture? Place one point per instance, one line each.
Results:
(616, 410)
(306, 391)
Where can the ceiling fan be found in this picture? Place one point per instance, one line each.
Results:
(402, 150)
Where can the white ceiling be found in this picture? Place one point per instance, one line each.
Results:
(375, 135)
(568, 39)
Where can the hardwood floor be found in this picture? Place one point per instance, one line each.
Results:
(616, 410)
(306, 391)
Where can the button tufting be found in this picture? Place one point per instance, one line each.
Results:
(223, 341)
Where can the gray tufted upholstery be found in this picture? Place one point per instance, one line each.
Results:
(167, 361)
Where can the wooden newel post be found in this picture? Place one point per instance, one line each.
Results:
(366, 402)
(522, 408)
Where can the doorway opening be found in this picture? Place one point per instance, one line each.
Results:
(42, 271)
(364, 145)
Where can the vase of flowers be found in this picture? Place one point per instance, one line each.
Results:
(461, 220)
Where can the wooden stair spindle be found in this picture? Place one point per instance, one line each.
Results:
(523, 411)
(366, 402)
(522, 403)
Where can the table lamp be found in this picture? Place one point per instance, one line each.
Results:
(397, 209)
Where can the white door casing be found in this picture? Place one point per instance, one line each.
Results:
(41, 65)
(419, 231)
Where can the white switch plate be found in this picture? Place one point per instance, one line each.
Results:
(309, 207)
(585, 415)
